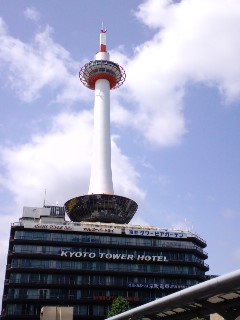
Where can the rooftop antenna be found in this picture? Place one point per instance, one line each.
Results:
(103, 29)
(44, 200)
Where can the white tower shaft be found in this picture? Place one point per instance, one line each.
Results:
(101, 172)
(101, 205)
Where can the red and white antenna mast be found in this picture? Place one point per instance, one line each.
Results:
(103, 40)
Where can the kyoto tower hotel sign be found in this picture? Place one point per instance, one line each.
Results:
(101, 205)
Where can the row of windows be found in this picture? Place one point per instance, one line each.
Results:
(104, 280)
(101, 70)
(105, 266)
(82, 294)
(103, 239)
(173, 256)
(109, 67)
(34, 310)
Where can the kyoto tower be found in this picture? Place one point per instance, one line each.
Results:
(101, 204)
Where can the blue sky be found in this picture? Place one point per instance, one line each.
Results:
(175, 121)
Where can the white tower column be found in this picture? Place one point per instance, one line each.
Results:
(101, 172)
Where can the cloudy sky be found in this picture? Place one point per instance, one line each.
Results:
(175, 121)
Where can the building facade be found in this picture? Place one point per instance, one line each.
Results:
(85, 265)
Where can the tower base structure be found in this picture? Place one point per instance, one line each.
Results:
(101, 208)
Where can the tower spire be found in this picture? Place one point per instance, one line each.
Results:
(103, 39)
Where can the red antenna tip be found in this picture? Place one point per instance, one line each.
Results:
(103, 45)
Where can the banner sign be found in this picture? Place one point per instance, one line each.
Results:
(156, 233)
(157, 286)
(52, 227)
(82, 228)
(109, 229)
(103, 229)
(111, 256)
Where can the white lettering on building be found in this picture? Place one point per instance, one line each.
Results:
(111, 256)
(52, 227)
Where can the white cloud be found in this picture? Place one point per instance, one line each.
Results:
(119, 114)
(194, 41)
(41, 64)
(32, 14)
(59, 161)
(125, 177)
(138, 221)
(153, 12)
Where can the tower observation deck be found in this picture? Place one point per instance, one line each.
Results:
(101, 204)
